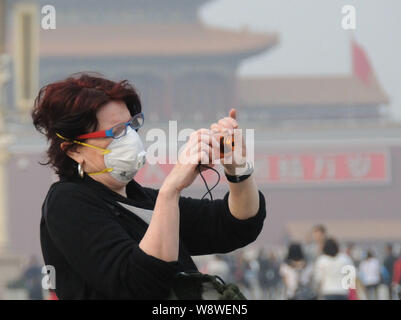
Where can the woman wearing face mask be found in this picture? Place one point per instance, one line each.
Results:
(107, 236)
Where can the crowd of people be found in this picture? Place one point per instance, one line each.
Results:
(319, 269)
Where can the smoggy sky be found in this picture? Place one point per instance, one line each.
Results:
(312, 40)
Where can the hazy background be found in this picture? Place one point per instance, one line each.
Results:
(312, 40)
(179, 64)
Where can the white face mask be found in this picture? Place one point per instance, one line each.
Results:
(127, 155)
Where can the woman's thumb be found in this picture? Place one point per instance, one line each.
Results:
(233, 113)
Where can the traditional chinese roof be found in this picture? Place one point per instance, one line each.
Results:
(151, 40)
(309, 90)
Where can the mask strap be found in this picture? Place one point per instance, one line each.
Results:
(100, 172)
(104, 151)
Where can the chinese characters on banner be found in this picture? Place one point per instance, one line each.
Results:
(287, 169)
(326, 168)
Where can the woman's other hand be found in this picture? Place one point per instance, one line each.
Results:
(229, 126)
(201, 148)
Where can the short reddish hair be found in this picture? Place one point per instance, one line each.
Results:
(69, 108)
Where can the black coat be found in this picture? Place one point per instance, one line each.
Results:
(93, 242)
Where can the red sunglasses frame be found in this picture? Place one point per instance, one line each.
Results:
(109, 133)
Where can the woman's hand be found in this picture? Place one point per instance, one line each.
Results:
(227, 126)
(243, 199)
(161, 239)
(202, 147)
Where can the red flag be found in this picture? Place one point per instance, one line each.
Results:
(360, 63)
(52, 296)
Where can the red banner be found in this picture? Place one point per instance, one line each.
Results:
(328, 168)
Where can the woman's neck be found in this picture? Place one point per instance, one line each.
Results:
(121, 191)
(110, 183)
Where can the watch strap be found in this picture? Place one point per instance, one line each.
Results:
(241, 177)
(236, 179)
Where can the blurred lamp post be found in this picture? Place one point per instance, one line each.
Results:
(26, 57)
(4, 76)
(5, 138)
(4, 62)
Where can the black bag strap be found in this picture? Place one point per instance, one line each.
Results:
(190, 286)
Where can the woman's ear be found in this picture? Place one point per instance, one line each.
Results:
(74, 153)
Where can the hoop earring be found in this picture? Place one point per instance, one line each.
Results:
(80, 170)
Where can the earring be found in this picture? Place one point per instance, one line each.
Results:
(80, 170)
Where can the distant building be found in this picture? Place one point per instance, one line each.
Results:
(183, 69)
(187, 71)
(355, 96)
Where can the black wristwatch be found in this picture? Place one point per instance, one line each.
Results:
(244, 173)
